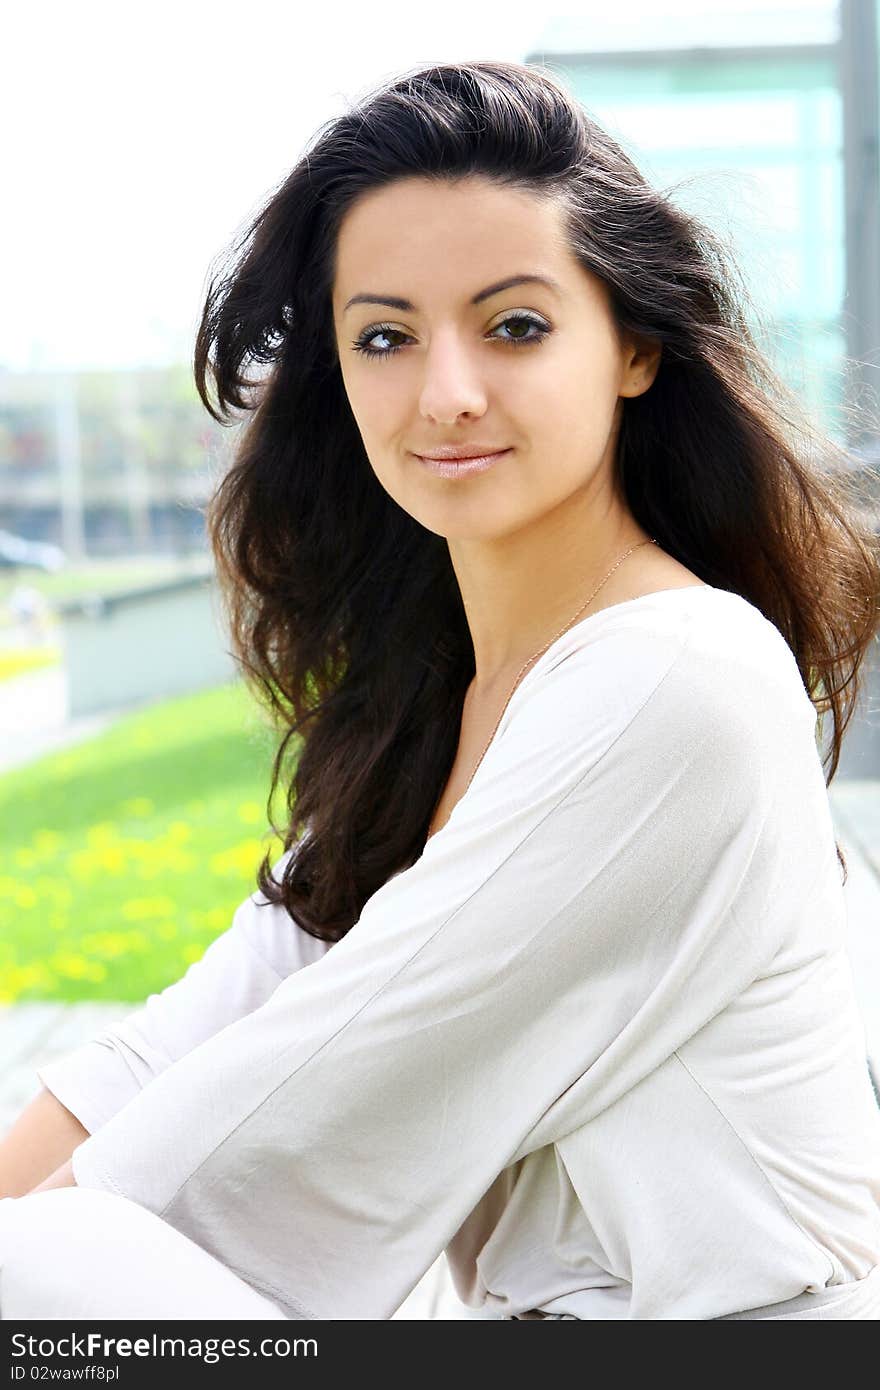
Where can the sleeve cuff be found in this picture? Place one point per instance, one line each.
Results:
(93, 1082)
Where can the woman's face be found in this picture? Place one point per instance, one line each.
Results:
(533, 368)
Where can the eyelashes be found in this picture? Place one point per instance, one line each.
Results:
(361, 344)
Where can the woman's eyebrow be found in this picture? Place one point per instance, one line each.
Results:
(394, 302)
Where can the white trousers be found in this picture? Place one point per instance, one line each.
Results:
(77, 1252)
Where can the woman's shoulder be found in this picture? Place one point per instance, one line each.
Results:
(705, 656)
(730, 643)
(718, 626)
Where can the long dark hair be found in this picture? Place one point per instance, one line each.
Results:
(345, 613)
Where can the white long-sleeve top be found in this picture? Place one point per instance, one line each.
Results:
(600, 1042)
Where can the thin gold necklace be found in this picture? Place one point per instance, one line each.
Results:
(534, 658)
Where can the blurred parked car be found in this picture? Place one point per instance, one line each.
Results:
(16, 551)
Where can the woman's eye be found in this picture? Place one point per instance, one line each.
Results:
(382, 330)
(519, 338)
(523, 321)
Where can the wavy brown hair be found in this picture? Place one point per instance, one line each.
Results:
(345, 614)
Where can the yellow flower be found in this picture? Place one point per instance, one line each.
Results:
(239, 860)
(111, 944)
(214, 918)
(70, 965)
(141, 909)
(18, 978)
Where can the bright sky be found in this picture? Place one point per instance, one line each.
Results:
(138, 141)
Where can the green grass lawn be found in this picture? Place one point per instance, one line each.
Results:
(93, 576)
(123, 857)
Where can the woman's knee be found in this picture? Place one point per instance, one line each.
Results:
(82, 1252)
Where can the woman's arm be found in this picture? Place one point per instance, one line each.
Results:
(62, 1177)
(39, 1143)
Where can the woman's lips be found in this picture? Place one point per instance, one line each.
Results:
(461, 468)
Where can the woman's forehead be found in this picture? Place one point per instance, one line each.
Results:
(404, 245)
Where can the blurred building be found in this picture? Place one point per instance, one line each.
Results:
(768, 130)
(764, 122)
(107, 463)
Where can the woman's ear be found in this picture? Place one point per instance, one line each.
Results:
(640, 365)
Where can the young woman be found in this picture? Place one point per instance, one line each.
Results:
(524, 549)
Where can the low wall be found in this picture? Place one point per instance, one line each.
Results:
(128, 648)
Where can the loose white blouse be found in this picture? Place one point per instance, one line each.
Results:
(600, 1042)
